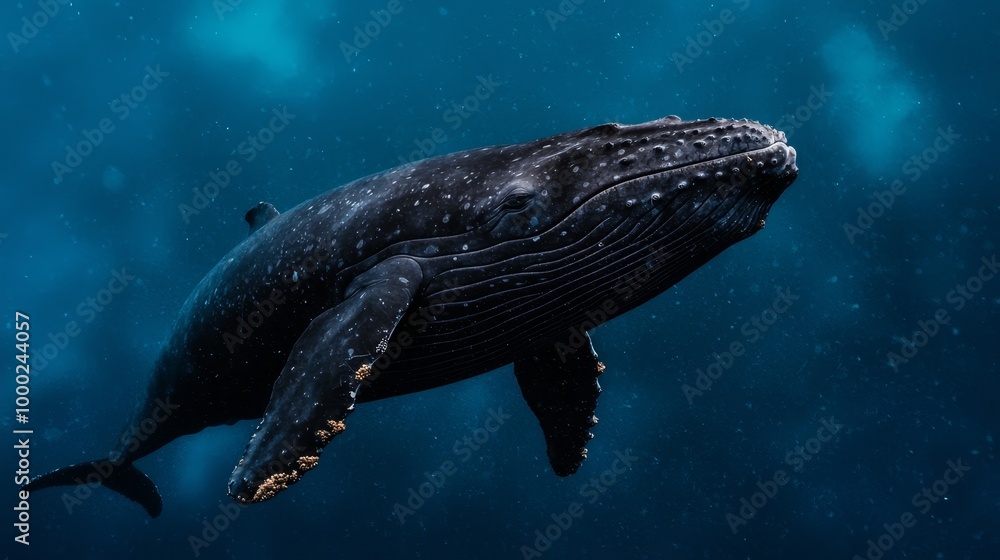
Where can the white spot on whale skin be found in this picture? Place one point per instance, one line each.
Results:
(360, 244)
(295, 276)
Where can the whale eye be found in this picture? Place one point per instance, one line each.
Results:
(516, 201)
(512, 201)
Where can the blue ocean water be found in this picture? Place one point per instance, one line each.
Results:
(857, 422)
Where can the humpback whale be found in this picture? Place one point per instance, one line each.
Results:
(438, 271)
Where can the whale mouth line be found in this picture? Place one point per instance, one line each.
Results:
(788, 164)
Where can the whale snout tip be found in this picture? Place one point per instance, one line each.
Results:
(790, 156)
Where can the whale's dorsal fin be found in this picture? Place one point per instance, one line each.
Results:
(261, 214)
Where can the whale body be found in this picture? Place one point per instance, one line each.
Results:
(438, 271)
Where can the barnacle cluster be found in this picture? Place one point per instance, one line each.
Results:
(324, 436)
(308, 462)
(336, 426)
(363, 372)
(274, 484)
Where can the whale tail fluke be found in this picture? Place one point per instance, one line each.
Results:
(122, 478)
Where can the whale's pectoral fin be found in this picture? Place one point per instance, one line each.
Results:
(259, 215)
(317, 387)
(561, 388)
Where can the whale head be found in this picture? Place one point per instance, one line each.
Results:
(602, 202)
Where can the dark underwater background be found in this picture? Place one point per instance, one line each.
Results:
(861, 87)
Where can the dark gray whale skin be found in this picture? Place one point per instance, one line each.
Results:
(438, 271)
